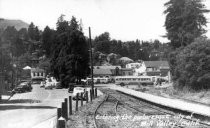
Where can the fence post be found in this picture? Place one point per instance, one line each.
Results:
(70, 105)
(61, 122)
(95, 92)
(63, 110)
(58, 113)
(91, 95)
(86, 93)
(66, 108)
(82, 96)
(77, 101)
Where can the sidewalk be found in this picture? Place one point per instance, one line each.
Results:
(6, 96)
(173, 103)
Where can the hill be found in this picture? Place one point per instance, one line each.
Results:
(17, 23)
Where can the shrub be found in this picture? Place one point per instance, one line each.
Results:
(191, 65)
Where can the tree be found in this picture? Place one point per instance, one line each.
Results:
(47, 38)
(31, 31)
(191, 66)
(102, 43)
(37, 34)
(23, 34)
(10, 34)
(16, 46)
(70, 58)
(185, 21)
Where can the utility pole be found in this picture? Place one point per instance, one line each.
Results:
(1, 75)
(91, 59)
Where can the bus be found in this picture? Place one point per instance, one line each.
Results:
(97, 80)
(133, 80)
(103, 80)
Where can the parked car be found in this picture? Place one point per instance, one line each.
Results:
(71, 87)
(23, 87)
(58, 85)
(42, 84)
(79, 90)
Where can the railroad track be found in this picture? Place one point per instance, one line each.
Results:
(116, 103)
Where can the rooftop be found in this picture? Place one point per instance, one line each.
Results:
(162, 64)
(102, 72)
(106, 67)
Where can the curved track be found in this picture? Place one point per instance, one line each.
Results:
(116, 103)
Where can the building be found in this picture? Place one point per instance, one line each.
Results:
(108, 71)
(102, 73)
(115, 70)
(154, 68)
(37, 74)
(126, 72)
(133, 65)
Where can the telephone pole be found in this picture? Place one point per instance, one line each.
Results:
(91, 59)
(1, 75)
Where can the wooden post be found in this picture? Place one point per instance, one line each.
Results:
(95, 92)
(66, 108)
(86, 94)
(70, 105)
(77, 101)
(91, 95)
(61, 122)
(63, 110)
(81, 98)
(58, 113)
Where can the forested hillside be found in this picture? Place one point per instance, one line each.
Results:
(18, 24)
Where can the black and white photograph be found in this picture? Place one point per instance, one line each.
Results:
(104, 63)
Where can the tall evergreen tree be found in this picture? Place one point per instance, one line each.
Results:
(184, 21)
(102, 43)
(31, 31)
(48, 39)
(70, 58)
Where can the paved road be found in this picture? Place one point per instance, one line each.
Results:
(36, 109)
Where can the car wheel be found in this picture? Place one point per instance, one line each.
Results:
(122, 84)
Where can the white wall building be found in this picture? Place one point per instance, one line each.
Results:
(37, 73)
(133, 65)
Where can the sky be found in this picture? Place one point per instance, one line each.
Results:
(125, 20)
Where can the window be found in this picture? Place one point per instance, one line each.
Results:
(149, 69)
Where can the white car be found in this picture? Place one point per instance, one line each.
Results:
(49, 84)
(79, 90)
(42, 84)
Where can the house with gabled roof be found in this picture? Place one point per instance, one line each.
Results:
(102, 73)
(154, 68)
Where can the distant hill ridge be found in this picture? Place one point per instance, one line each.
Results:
(18, 24)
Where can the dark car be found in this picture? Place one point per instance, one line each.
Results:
(81, 93)
(71, 87)
(23, 87)
(58, 85)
